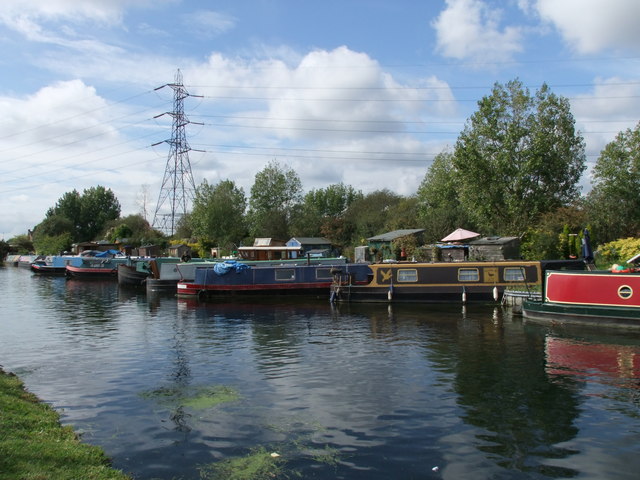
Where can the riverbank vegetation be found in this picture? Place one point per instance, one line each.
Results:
(33, 444)
(515, 170)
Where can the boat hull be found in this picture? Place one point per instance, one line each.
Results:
(110, 272)
(594, 315)
(128, 275)
(588, 298)
(46, 269)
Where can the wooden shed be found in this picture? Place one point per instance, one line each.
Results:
(149, 251)
(494, 249)
(180, 250)
(314, 246)
(382, 248)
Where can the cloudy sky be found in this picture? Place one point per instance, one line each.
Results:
(364, 92)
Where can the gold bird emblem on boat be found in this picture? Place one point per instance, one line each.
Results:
(385, 275)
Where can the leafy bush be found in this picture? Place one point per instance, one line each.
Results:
(618, 251)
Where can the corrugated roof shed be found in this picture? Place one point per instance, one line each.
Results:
(311, 240)
(391, 236)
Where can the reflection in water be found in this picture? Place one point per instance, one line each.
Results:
(505, 392)
(340, 391)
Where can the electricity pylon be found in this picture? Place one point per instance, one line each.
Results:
(178, 188)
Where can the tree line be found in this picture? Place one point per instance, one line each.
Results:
(514, 170)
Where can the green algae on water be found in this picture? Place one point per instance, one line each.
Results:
(259, 464)
(196, 398)
(208, 397)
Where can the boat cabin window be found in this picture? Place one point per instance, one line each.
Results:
(285, 274)
(514, 274)
(407, 275)
(468, 275)
(323, 274)
(625, 292)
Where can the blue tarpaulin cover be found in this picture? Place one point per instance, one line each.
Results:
(108, 253)
(225, 267)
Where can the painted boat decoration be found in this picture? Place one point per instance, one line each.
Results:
(599, 298)
(444, 282)
(234, 278)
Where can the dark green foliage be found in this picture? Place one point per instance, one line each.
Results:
(551, 236)
(82, 217)
(5, 248)
(21, 244)
(275, 196)
(322, 213)
(614, 202)
(134, 229)
(518, 157)
(369, 215)
(217, 218)
(439, 207)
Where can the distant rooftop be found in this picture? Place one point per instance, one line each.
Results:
(390, 236)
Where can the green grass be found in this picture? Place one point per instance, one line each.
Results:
(35, 446)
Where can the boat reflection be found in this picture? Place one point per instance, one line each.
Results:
(606, 363)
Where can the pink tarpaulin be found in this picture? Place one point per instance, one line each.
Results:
(460, 234)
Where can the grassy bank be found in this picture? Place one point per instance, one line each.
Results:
(34, 446)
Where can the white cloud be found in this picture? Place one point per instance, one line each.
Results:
(331, 116)
(470, 30)
(208, 23)
(611, 107)
(591, 26)
(108, 12)
(58, 139)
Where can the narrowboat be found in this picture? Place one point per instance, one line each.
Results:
(52, 264)
(591, 297)
(444, 282)
(235, 278)
(130, 275)
(165, 276)
(96, 265)
(25, 261)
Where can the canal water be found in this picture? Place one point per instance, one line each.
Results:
(173, 388)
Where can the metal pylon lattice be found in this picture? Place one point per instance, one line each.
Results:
(178, 188)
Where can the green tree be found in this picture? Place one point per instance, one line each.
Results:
(517, 158)
(217, 218)
(5, 248)
(369, 215)
(52, 244)
(87, 214)
(613, 204)
(275, 195)
(68, 207)
(21, 244)
(134, 228)
(439, 208)
(322, 211)
(98, 206)
(403, 214)
(550, 237)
